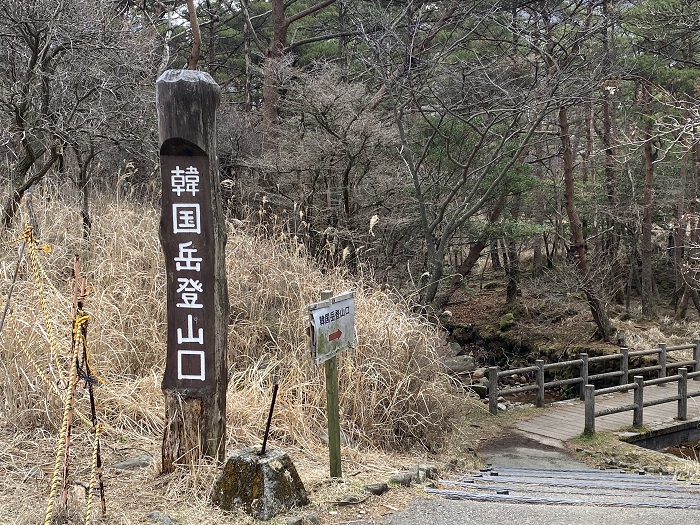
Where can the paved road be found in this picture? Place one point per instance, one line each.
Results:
(448, 512)
(516, 450)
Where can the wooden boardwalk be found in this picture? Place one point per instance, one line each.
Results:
(564, 420)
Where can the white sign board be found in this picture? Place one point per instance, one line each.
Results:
(332, 326)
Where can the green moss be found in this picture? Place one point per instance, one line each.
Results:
(506, 322)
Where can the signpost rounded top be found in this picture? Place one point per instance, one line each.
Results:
(186, 75)
(187, 101)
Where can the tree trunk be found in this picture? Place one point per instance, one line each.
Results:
(495, 256)
(600, 316)
(646, 248)
(247, 38)
(513, 266)
(82, 181)
(274, 54)
(682, 306)
(85, 204)
(467, 264)
(280, 28)
(196, 36)
(677, 235)
(436, 269)
(22, 183)
(539, 257)
(609, 87)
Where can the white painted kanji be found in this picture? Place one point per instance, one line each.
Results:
(185, 181)
(186, 259)
(189, 290)
(201, 376)
(186, 218)
(190, 337)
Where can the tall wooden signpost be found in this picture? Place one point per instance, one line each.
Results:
(193, 238)
(332, 324)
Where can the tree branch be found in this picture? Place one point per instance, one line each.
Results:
(306, 12)
(196, 36)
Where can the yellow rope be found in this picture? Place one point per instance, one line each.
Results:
(17, 240)
(50, 331)
(80, 323)
(61, 444)
(30, 358)
(37, 368)
(93, 474)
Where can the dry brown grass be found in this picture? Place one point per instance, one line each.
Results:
(394, 393)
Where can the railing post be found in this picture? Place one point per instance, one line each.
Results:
(638, 419)
(683, 394)
(540, 382)
(589, 404)
(584, 375)
(662, 361)
(493, 389)
(696, 358)
(625, 366)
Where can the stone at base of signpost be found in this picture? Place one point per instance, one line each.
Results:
(262, 486)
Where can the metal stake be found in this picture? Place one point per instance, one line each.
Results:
(269, 418)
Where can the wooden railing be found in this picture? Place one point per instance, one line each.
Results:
(582, 366)
(638, 404)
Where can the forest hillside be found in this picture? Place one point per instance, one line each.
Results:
(395, 393)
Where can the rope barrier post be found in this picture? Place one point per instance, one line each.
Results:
(493, 390)
(638, 418)
(540, 382)
(589, 405)
(73, 377)
(683, 394)
(94, 468)
(696, 358)
(90, 380)
(75, 373)
(584, 375)
(193, 239)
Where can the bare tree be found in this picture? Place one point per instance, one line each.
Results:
(465, 112)
(334, 161)
(69, 82)
(282, 18)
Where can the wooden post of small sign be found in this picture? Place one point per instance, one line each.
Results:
(333, 408)
(193, 238)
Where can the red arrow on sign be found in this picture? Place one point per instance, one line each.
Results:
(335, 335)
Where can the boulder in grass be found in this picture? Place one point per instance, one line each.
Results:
(377, 488)
(262, 486)
(421, 473)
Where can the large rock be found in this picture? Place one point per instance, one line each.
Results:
(460, 364)
(263, 486)
(422, 472)
(136, 462)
